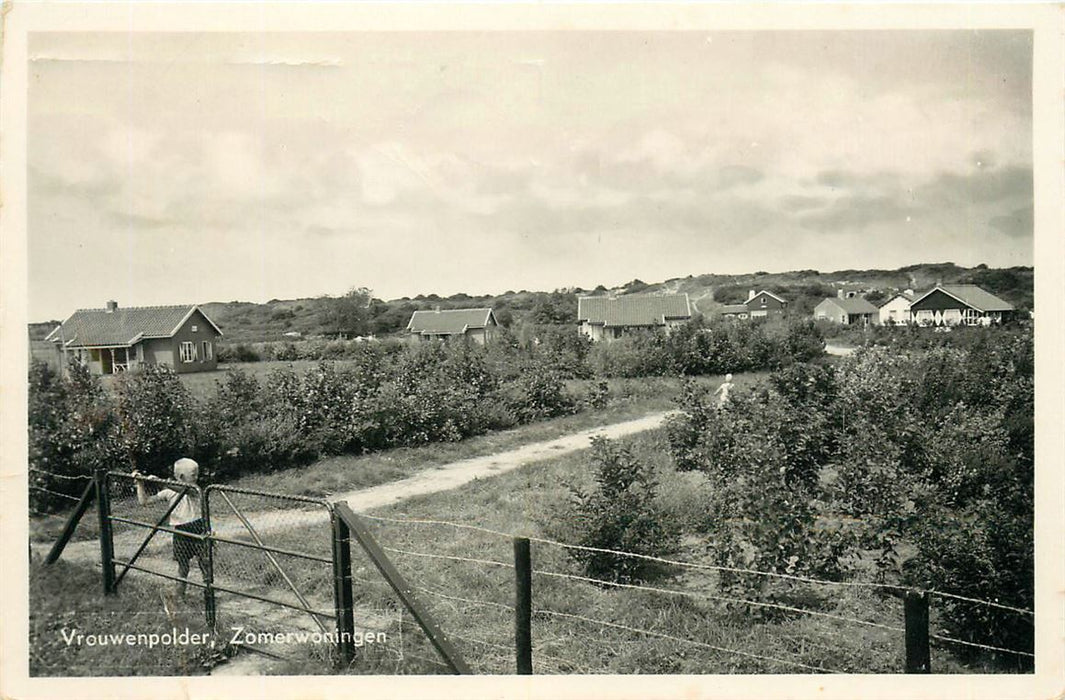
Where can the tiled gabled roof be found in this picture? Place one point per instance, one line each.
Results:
(971, 295)
(448, 321)
(122, 327)
(633, 309)
(854, 305)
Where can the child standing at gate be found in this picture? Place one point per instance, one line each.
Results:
(184, 516)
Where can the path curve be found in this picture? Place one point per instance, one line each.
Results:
(444, 477)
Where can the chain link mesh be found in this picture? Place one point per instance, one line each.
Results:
(273, 570)
(132, 522)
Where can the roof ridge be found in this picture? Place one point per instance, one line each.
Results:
(129, 308)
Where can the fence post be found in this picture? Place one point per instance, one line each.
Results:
(342, 597)
(523, 605)
(918, 656)
(208, 575)
(103, 510)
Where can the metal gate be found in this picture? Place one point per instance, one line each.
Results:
(284, 552)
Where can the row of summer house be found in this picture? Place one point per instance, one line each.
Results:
(113, 339)
(943, 305)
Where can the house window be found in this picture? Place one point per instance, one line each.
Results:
(763, 301)
(207, 350)
(188, 351)
(194, 329)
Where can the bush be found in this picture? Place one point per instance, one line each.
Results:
(621, 514)
(71, 433)
(157, 420)
(537, 393)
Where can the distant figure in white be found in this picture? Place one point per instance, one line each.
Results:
(185, 516)
(722, 391)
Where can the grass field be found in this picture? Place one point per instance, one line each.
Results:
(533, 501)
(66, 599)
(578, 627)
(463, 576)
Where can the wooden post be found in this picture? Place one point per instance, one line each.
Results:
(72, 523)
(209, 606)
(103, 510)
(343, 598)
(918, 656)
(523, 605)
(421, 615)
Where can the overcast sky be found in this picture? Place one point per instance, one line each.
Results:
(187, 168)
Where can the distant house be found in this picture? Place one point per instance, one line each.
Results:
(846, 311)
(607, 318)
(477, 324)
(959, 304)
(896, 310)
(763, 304)
(112, 340)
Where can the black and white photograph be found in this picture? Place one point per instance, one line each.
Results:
(642, 349)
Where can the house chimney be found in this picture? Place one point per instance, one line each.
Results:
(751, 294)
(437, 308)
(841, 293)
(111, 306)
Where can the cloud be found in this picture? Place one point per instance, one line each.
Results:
(798, 202)
(1019, 223)
(856, 212)
(977, 187)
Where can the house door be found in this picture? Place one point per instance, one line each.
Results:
(106, 365)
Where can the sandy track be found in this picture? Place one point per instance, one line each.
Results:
(433, 480)
(444, 477)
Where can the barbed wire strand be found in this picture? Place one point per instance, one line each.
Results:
(54, 475)
(693, 565)
(54, 493)
(451, 558)
(980, 646)
(693, 594)
(463, 600)
(981, 602)
(682, 640)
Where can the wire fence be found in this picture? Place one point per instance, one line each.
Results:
(486, 605)
(278, 553)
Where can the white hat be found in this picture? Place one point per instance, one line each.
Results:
(186, 470)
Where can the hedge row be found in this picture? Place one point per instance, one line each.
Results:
(697, 348)
(381, 400)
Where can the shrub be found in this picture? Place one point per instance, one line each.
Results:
(71, 433)
(620, 514)
(537, 393)
(598, 394)
(156, 417)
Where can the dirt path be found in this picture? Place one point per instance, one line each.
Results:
(838, 350)
(450, 476)
(444, 477)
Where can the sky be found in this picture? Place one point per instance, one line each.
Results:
(190, 168)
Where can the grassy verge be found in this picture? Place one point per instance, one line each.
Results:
(66, 599)
(580, 627)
